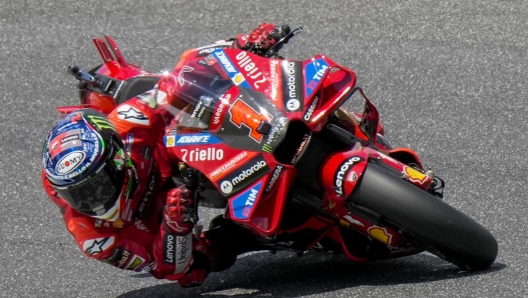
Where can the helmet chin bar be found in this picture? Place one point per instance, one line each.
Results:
(112, 214)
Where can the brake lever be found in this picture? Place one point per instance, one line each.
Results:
(271, 51)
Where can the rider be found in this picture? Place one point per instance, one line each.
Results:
(111, 178)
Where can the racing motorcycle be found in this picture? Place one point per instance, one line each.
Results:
(272, 137)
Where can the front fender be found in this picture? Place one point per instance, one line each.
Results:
(340, 173)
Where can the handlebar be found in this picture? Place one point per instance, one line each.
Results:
(83, 76)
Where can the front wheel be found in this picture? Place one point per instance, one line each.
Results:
(443, 230)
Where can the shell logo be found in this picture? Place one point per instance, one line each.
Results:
(119, 223)
(238, 79)
(379, 234)
(415, 175)
(169, 141)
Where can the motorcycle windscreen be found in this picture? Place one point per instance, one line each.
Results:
(238, 117)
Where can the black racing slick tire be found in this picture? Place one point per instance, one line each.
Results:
(440, 228)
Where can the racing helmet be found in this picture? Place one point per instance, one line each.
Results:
(86, 164)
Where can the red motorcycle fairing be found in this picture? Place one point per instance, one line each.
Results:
(259, 209)
(327, 86)
(240, 107)
(413, 175)
(303, 90)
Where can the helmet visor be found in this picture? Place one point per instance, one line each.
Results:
(93, 196)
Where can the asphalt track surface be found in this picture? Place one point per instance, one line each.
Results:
(448, 77)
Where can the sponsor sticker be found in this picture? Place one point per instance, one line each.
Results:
(209, 154)
(130, 114)
(169, 141)
(196, 139)
(274, 177)
(232, 163)
(206, 51)
(220, 109)
(183, 250)
(228, 66)
(244, 175)
(291, 86)
(70, 138)
(314, 73)
(274, 134)
(380, 234)
(66, 140)
(70, 162)
(98, 245)
(300, 150)
(135, 263)
(352, 176)
(118, 223)
(308, 115)
(249, 69)
(244, 203)
(415, 175)
(177, 251)
(274, 77)
(124, 258)
(169, 247)
(101, 122)
(342, 172)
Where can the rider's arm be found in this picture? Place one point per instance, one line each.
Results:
(125, 248)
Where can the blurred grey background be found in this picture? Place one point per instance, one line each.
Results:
(448, 78)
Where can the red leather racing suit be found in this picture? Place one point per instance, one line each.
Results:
(136, 241)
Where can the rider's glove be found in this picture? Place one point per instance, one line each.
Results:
(193, 278)
(179, 211)
(262, 38)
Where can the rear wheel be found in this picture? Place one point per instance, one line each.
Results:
(443, 230)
